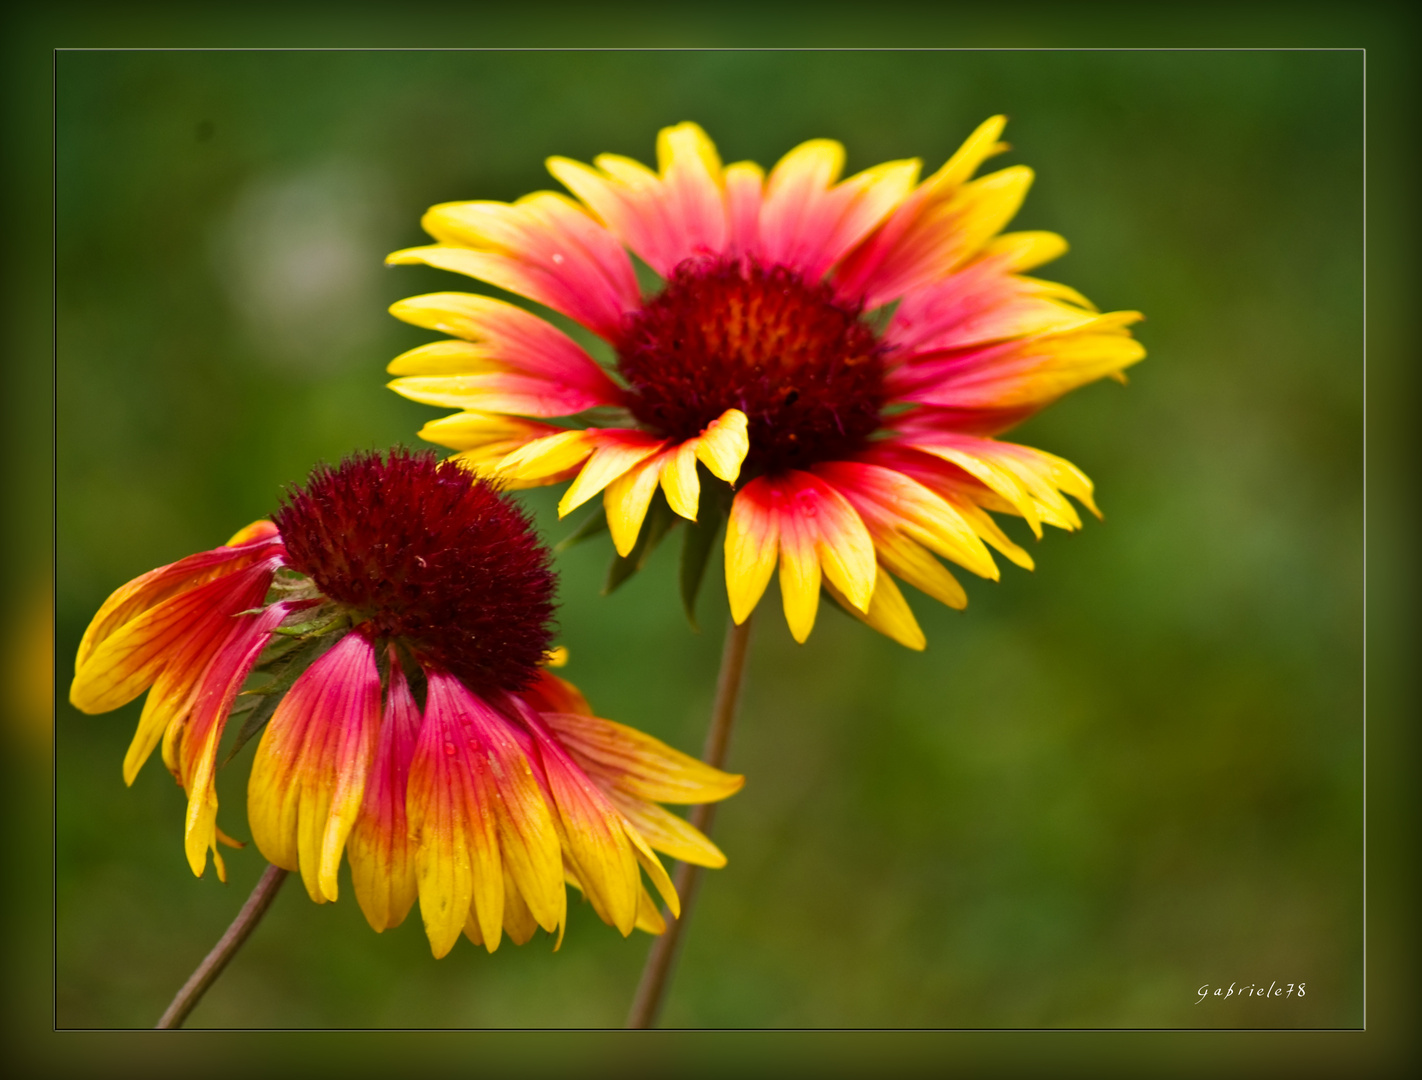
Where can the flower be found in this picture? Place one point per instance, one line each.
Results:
(844, 352)
(399, 616)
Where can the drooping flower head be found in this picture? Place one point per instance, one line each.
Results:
(842, 352)
(390, 626)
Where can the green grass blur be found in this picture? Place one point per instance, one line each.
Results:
(1109, 782)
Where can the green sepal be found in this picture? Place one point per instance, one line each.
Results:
(699, 540)
(660, 520)
(594, 523)
(315, 627)
(265, 698)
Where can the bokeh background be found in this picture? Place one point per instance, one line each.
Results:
(1131, 773)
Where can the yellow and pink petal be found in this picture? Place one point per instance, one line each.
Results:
(980, 304)
(172, 695)
(198, 738)
(944, 222)
(381, 853)
(637, 764)
(808, 222)
(309, 776)
(484, 440)
(1031, 481)
(815, 531)
(968, 495)
(888, 612)
(528, 840)
(1019, 376)
(888, 502)
(510, 361)
(454, 822)
(147, 591)
(128, 657)
(615, 452)
(544, 247)
(627, 464)
(553, 694)
(665, 216)
(597, 843)
(666, 832)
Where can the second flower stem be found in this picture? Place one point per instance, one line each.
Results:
(656, 975)
(226, 947)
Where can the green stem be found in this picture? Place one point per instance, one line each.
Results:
(656, 975)
(226, 947)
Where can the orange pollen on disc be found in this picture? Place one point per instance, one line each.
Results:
(806, 369)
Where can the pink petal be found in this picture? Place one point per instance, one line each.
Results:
(544, 247)
(509, 336)
(808, 225)
(380, 851)
(454, 821)
(150, 589)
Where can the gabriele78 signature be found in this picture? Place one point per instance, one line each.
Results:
(1274, 990)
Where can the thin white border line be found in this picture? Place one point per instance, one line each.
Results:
(864, 49)
(1365, 540)
(715, 48)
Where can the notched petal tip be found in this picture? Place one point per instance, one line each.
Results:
(723, 446)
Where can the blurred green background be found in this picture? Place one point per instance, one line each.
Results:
(1109, 782)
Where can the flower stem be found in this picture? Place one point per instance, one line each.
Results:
(656, 975)
(226, 947)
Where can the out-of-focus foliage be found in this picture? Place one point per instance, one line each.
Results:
(1109, 782)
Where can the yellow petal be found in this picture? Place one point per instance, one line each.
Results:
(626, 501)
(649, 919)
(679, 480)
(168, 701)
(448, 357)
(815, 165)
(992, 534)
(752, 539)
(799, 577)
(548, 456)
(844, 547)
(916, 565)
(688, 141)
(608, 462)
(668, 833)
(723, 446)
(638, 765)
(888, 613)
(999, 479)
(977, 148)
(472, 430)
(653, 866)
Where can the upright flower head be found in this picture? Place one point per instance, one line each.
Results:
(841, 351)
(391, 627)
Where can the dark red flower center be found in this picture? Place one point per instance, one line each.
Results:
(428, 556)
(806, 370)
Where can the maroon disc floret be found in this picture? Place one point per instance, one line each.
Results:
(427, 555)
(806, 370)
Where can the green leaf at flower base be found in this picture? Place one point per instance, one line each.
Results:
(660, 520)
(592, 525)
(264, 699)
(699, 541)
